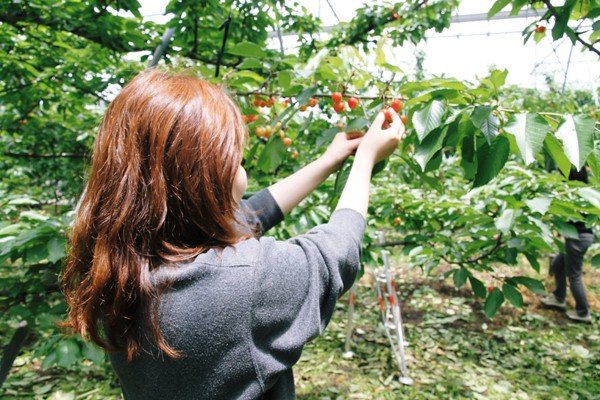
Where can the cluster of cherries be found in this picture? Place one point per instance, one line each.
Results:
(339, 106)
(338, 102)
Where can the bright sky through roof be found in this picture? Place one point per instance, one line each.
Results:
(467, 50)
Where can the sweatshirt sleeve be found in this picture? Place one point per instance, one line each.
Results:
(261, 211)
(297, 284)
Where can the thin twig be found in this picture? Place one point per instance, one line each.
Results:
(555, 13)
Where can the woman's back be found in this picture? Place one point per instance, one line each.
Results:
(240, 317)
(205, 314)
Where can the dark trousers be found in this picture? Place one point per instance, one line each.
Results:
(570, 264)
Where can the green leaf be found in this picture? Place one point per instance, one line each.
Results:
(517, 5)
(467, 151)
(533, 261)
(247, 49)
(513, 295)
(56, 249)
(497, 7)
(245, 76)
(566, 229)
(460, 277)
(478, 287)
(596, 261)
(11, 230)
(493, 302)
(426, 120)
(506, 220)
(554, 148)
(483, 119)
(560, 23)
(93, 353)
(577, 135)
(67, 353)
(250, 63)
(340, 182)
(379, 167)
(292, 91)
(571, 34)
(425, 150)
(532, 284)
(491, 160)
(539, 204)
(284, 79)
(306, 94)
(538, 36)
(272, 155)
(357, 125)
(594, 162)
(49, 361)
(591, 195)
(327, 136)
(530, 131)
(496, 79)
(36, 253)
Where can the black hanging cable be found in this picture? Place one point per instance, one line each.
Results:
(224, 25)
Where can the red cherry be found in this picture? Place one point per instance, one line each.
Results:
(312, 102)
(490, 289)
(336, 97)
(540, 29)
(404, 119)
(338, 107)
(287, 142)
(397, 105)
(388, 114)
(352, 102)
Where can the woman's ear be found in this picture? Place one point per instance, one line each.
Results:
(240, 182)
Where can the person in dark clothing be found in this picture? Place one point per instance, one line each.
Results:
(570, 265)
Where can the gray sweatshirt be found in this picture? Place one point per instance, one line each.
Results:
(241, 317)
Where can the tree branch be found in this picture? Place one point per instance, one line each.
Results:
(372, 25)
(321, 95)
(554, 12)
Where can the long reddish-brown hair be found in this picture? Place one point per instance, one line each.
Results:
(159, 191)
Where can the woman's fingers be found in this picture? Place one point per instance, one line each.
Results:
(396, 124)
(379, 119)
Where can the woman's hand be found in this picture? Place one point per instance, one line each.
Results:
(379, 143)
(343, 145)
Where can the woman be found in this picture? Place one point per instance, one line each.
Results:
(167, 268)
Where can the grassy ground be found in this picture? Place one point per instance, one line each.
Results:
(454, 352)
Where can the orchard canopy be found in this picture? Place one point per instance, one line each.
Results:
(478, 182)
